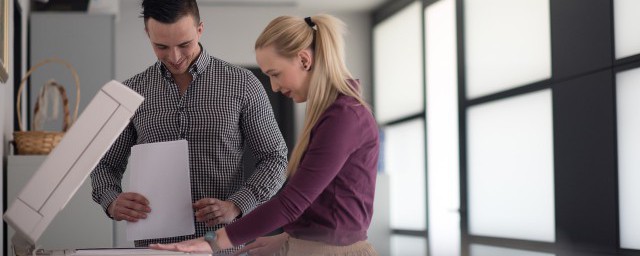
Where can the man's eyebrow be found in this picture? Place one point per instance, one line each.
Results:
(186, 42)
(183, 43)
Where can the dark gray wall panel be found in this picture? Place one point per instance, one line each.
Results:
(585, 163)
(581, 36)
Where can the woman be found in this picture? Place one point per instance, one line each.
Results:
(327, 204)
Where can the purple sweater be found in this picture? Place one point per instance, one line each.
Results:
(330, 197)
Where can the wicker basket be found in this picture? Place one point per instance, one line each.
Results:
(42, 142)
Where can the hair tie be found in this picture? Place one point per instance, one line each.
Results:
(311, 23)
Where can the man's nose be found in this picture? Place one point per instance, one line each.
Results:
(174, 56)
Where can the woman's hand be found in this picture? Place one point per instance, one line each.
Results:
(197, 245)
(266, 245)
(193, 245)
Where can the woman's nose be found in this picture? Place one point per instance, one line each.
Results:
(275, 87)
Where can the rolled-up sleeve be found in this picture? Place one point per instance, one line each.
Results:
(106, 178)
(263, 136)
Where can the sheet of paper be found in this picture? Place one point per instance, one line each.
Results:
(160, 172)
(131, 251)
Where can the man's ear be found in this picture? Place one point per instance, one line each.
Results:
(200, 28)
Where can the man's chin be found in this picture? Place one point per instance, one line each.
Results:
(177, 72)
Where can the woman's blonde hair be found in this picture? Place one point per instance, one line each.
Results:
(329, 77)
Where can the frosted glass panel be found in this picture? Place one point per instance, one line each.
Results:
(404, 162)
(397, 56)
(510, 168)
(485, 250)
(442, 129)
(626, 20)
(627, 95)
(507, 44)
(408, 245)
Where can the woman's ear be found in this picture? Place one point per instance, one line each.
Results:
(306, 59)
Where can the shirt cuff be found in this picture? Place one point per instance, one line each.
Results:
(107, 198)
(244, 200)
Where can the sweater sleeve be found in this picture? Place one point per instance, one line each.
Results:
(333, 139)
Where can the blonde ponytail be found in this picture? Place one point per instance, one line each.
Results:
(329, 76)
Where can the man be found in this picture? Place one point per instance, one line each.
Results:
(215, 106)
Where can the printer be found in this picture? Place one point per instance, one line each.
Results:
(65, 169)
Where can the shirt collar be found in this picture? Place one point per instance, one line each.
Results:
(197, 68)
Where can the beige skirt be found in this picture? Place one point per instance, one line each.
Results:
(297, 247)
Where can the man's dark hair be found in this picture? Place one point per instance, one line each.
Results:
(169, 11)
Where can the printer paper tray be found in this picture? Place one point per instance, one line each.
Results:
(114, 252)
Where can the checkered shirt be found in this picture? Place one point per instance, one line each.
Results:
(224, 108)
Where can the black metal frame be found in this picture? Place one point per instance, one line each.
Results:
(382, 13)
(584, 130)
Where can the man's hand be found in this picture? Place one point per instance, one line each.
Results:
(266, 245)
(214, 211)
(129, 206)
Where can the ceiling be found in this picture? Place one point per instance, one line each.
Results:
(321, 5)
(327, 5)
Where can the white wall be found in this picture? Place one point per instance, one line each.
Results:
(4, 98)
(6, 93)
(6, 89)
(230, 33)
